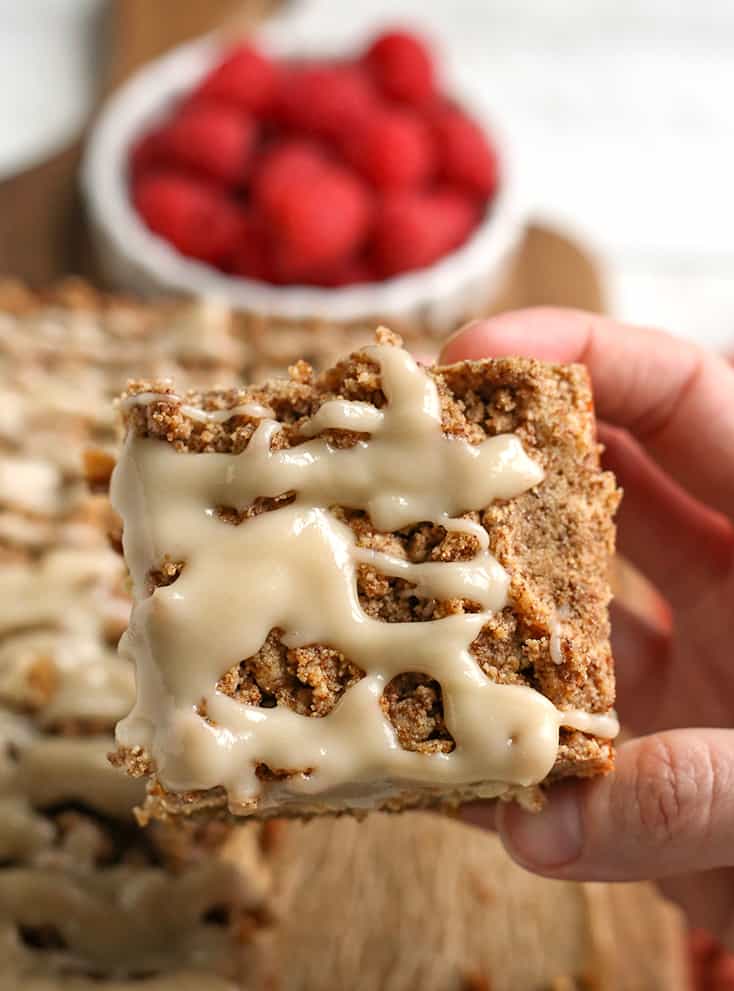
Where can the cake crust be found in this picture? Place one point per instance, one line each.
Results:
(554, 540)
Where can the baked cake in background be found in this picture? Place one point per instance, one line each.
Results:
(87, 899)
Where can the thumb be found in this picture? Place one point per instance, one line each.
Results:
(668, 809)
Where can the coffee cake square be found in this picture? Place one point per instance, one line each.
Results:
(380, 587)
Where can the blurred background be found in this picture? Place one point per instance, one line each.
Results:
(617, 111)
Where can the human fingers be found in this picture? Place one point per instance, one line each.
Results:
(642, 662)
(677, 541)
(672, 395)
(668, 809)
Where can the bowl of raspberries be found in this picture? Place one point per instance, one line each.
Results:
(303, 185)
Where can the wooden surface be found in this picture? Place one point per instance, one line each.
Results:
(418, 902)
(554, 270)
(144, 29)
(41, 225)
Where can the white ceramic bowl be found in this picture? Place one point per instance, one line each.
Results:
(132, 258)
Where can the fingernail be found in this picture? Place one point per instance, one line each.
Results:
(547, 839)
(458, 333)
(465, 327)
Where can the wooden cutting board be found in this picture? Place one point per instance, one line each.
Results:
(419, 902)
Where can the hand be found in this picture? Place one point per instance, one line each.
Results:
(666, 411)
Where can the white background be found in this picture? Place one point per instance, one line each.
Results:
(620, 112)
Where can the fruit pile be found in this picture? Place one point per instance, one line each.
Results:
(316, 173)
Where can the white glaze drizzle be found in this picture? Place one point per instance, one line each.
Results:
(295, 569)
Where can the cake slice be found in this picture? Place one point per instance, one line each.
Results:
(380, 587)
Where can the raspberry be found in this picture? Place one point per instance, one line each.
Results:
(414, 229)
(213, 140)
(354, 271)
(147, 152)
(194, 216)
(286, 162)
(466, 156)
(245, 79)
(318, 219)
(393, 149)
(325, 100)
(249, 173)
(402, 67)
(251, 257)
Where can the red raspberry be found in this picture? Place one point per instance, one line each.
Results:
(194, 216)
(318, 220)
(147, 153)
(354, 271)
(245, 78)
(214, 140)
(466, 156)
(292, 161)
(402, 66)
(251, 257)
(325, 100)
(393, 149)
(414, 229)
